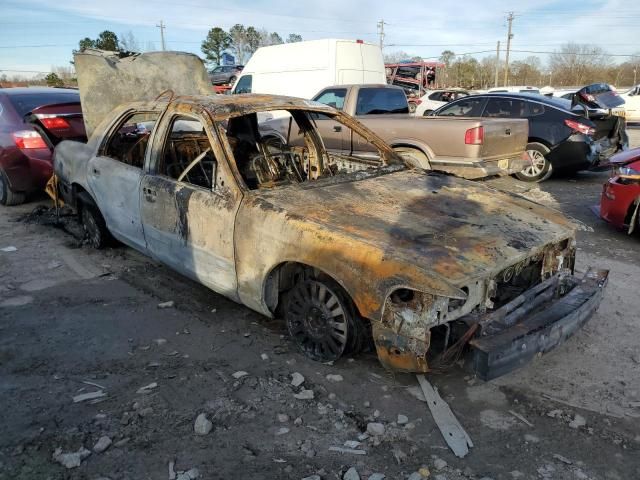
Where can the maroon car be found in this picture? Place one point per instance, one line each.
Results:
(32, 122)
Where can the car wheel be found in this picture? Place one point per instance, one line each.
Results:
(232, 80)
(412, 107)
(322, 320)
(427, 113)
(540, 168)
(95, 229)
(7, 196)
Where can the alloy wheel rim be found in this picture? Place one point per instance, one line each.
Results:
(317, 321)
(538, 163)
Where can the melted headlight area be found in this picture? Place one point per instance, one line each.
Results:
(403, 336)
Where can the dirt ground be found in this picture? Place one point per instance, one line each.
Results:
(75, 321)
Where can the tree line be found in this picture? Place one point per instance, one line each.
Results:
(573, 64)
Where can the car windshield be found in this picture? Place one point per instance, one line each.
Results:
(283, 147)
(27, 102)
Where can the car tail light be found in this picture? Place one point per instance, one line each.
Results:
(579, 127)
(588, 97)
(474, 136)
(29, 139)
(55, 123)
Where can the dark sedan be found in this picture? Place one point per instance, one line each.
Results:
(32, 122)
(559, 139)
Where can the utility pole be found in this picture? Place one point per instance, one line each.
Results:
(497, 63)
(162, 26)
(381, 33)
(510, 18)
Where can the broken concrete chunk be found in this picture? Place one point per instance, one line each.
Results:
(202, 425)
(351, 474)
(239, 374)
(169, 304)
(402, 419)
(297, 379)
(102, 444)
(304, 395)
(147, 388)
(72, 459)
(334, 378)
(375, 428)
(89, 396)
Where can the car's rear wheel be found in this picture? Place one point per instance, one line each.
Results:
(412, 107)
(427, 113)
(7, 196)
(232, 80)
(322, 320)
(540, 168)
(95, 229)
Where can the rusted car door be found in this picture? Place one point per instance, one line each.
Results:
(114, 175)
(189, 201)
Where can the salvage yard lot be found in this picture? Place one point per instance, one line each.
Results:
(74, 321)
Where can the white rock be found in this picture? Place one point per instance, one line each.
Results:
(334, 378)
(193, 473)
(352, 444)
(172, 472)
(304, 395)
(531, 438)
(264, 357)
(298, 421)
(415, 476)
(439, 463)
(403, 419)
(351, 474)
(202, 425)
(297, 379)
(147, 388)
(367, 404)
(102, 444)
(169, 304)
(282, 417)
(160, 341)
(377, 476)
(376, 413)
(578, 421)
(72, 459)
(375, 429)
(88, 396)
(239, 374)
(282, 431)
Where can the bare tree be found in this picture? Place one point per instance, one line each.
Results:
(579, 64)
(128, 42)
(395, 57)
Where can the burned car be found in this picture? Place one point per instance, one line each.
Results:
(350, 251)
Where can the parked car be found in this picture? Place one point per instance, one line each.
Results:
(632, 104)
(347, 250)
(225, 74)
(559, 139)
(620, 198)
(435, 99)
(515, 89)
(301, 69)
(471, 148)
(32, 122)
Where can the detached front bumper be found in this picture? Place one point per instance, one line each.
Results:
(535, 322)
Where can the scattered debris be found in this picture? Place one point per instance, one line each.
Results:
(283, 417)
(352, 444)
(424, 472)
(202, 425)
(578, 421)
(453, 433)
(122, 442)
(297, 379)
(147, 388)
(562, 459)
(72, 459)
(264, 357)
(531, 438)
(172, 472)
(351, 474)
(399, 455)
(160, 341)
(9, 249)
(169, 304)
(304, 395)
(97, 385)
(402, 419)
(521, 418)
(282, 431)
(377, 476)
(314, 477)
(239, 374)
(334, 378)
(102, 444)
(89, 396)
(375, 428)
(353, 451)
(439, 464)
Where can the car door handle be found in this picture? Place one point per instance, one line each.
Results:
(337, 128)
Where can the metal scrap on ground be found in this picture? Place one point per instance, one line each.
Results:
(453, 433)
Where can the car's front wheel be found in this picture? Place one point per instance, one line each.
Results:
(322, 320)
(427, 113)
(232, 80)
(95, 229)
(540, 168)
(7, 196)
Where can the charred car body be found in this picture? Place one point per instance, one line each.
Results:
(346, 249)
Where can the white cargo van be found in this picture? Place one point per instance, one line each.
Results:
(302, 69)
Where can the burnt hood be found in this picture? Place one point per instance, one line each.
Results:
(109, 79)
(597, 95)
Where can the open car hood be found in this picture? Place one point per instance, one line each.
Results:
(624, 158)
(597, 95)
(107, 79)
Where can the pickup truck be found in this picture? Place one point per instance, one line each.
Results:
(468, 147)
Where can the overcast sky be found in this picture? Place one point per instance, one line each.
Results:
(36, 35)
